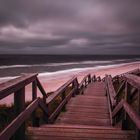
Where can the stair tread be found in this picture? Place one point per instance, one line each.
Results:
(79, 131)
(86, 118)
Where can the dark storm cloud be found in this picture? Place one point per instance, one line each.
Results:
(70, 26)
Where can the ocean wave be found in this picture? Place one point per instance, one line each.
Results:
(55, 64)
(72, 71)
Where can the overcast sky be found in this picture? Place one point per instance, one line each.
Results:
(70, 26)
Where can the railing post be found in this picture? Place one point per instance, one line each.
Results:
(34, 90)
(75, 86)
(89, 78)
(137, 130)
(85, 82)
(42, 90)
(94, 78)
(19, 105)
(126, 98)
(35, 120)
(82, 89)
(63, 98)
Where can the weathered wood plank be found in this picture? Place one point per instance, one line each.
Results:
(109, 108)
(120, 89)
(67, 126)
(88, 78)
(135, 71)
(117, 108)
(133, 80)
(111, 90)
(82, 121)
(59, 108)
(15, 84)
(95, 130)
(43, 92)
(59, 91)
(19, 106)
(18, 121)
(82, 133)
(132, 114)
(34, 90)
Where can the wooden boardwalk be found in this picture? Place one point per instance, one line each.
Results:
(88, 109)
(86, 118)
(94, 109)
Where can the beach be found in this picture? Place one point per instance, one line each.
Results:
(52, 81)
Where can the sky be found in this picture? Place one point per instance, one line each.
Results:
(70, 27)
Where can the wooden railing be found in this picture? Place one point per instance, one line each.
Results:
(110, 92)
(65, 97)
(118, 78)
(126, 96)
(51, 104)
(86, 80)
(17, 87)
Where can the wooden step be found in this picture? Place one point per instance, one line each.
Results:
(95, 89)
(86, 115)
(87, 97)
(72, 106)
(86, 118)
(87, 102)
(77, 132)
(83, 121)
(90, 97)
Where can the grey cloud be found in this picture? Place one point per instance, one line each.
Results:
(50, 25)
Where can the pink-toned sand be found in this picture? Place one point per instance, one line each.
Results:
(51, 85)
(53, 82)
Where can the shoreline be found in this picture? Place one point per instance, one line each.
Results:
(59, 79)
(52, 82)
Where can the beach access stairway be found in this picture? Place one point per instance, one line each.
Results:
(95, 108)
(86, 118)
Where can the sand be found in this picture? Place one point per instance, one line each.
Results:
(58, 80)
(53, 81)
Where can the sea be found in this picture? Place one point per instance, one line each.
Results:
(14, 65)
(52, 66)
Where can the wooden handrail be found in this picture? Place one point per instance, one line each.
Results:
(129, 110)
(131, 87)
(14, 85)
(20, 119)
(98, 78)
(85, 79)
(60, 90)
(111, 90)
(60, 106)
(17, 87)
(135, 71)
(42, 90)
(93, 78)
(132, 80)
(117, 108)
(120, 89)
(109, 105)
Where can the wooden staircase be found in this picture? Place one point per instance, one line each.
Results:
(78, 132)
(86, 118)
(94, 109)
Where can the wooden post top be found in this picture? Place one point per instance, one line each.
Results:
(13, 85)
